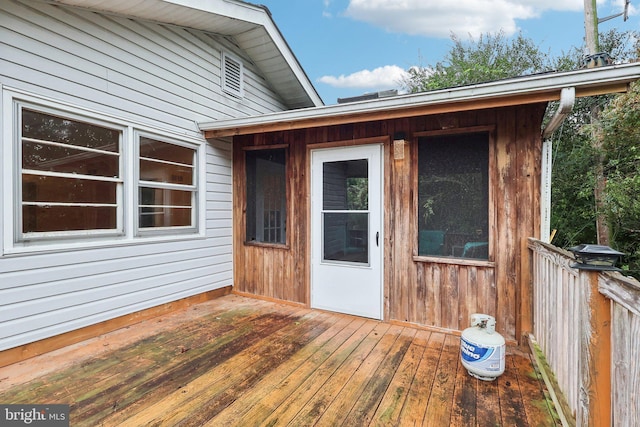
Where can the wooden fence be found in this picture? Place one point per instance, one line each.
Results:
(587, 324)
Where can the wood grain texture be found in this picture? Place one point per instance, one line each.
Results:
(237, 361)
(587, 325)
(439, 292)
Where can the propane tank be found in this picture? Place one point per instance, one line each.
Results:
(482, 349)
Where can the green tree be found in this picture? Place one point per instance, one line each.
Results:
(487, 58)
(620, 132)
(573, 213)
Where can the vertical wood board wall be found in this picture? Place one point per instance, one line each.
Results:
(416, 290)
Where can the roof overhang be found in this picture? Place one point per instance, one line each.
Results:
(251, 27)
(517, 91)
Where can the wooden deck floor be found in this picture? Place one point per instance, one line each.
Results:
(240, 361)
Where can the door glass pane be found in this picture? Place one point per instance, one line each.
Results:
(346, 237)
(345, 185)
(345, 201)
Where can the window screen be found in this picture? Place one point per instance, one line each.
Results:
(266, 196)
(453, 195)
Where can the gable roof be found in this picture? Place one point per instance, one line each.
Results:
(509, 92)
(250, 26)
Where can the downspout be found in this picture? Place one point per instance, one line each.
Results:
(567, 101)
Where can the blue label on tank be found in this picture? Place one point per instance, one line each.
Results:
(475, 353)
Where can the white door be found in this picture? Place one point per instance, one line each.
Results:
(346, 230)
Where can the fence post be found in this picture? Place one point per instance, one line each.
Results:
(596, 352)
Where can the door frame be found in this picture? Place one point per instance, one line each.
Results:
(381, 143)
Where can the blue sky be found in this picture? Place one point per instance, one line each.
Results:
(352, 47)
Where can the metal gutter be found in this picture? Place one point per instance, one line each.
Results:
(567, 101)
(522, 90)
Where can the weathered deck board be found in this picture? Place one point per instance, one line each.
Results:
(245, 362)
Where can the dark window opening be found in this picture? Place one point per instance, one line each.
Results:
(453, 196)
(266, 196)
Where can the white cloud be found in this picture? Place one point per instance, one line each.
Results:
(325, 11)
(462, 17)
(381, 78)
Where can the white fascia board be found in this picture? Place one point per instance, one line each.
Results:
(527, 85)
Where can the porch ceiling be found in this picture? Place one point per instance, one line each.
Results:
(517, 91)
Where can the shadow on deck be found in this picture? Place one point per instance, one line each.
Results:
(241, 361)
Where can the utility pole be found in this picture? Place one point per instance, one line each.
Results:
(591, 33)
(591, 26)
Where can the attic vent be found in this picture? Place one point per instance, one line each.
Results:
(232, 71)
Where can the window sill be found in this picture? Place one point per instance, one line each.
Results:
(42, 247)
(456, 261)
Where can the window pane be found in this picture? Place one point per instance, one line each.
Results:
(153, 149)
(53, 144)
(67, 218)
(345, 237)
(162, 196)
(266, 196)
(164, 217)
(66, 159)
(345, 185)
(46, 127)
(453, 195)
(43, 189)
(165, 172)
(162, 205)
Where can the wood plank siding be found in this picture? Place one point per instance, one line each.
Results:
(434, 292)
(238, 361)
(144, 77)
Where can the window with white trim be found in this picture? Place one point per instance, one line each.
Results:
(83, 178)
(71, 180)
(167, 187)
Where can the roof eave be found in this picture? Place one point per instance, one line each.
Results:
(517, 91)
(233, 18)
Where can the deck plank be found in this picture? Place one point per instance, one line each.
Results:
(397, 393)
(208, 393)
(179, 367)
(415, 406)
(238, 361)
(488, 404)
(535, 398)
(511, 408)
(464, 411)
(379, 381)
(300, 366)
(440, 403)
(330, 374)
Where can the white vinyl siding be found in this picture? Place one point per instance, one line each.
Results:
(156, 79)
(144, 70)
